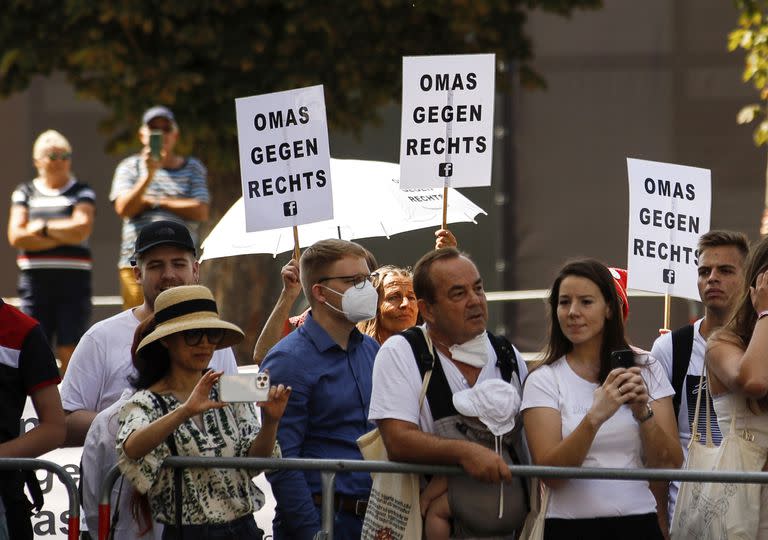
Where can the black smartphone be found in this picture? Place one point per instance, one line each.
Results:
(155, 144)
(624, 358)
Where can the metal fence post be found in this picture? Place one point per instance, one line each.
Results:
(328, 479)
(105, 502)
(27, 464)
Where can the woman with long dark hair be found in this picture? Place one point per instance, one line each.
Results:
(176, 410)
(581, 409)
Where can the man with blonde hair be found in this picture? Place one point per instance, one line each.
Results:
(329, 364)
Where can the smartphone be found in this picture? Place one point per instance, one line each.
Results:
(155, 144)
(246, 387)
(622, 359)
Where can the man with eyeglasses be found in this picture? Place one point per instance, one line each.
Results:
(97, 379)
(147, 189)
(329, 365)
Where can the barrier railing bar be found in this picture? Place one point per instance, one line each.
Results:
(541, 294)
(7, 464)
(116, 301)
(334, 466)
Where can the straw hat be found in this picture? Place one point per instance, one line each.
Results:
(189, 307)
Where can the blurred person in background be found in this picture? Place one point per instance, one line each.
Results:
(50, 222)
(148, 188)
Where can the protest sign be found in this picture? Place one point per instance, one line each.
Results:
(447, 121)
(669, 209)
(284, 158)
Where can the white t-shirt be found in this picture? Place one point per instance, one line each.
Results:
(397, 382)
(100, 453)
(101, 364)
(617, 443)
(662, 351)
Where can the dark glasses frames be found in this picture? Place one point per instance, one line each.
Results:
(59, 155)
(195, 337)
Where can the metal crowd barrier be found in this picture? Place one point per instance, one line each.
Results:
(329, 468)
(27, 464)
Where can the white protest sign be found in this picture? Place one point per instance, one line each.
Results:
(669, 209)
(447, 121)
(284, 158)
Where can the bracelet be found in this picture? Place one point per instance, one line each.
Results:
(762, 314)
(648, 414)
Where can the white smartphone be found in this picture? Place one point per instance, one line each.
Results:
(247, 387)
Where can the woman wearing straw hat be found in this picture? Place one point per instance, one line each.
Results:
(176, 410)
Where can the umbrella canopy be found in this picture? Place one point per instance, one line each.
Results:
(367, 202)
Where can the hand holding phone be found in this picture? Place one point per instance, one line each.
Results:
(156, 144)
(246, 387)
(624, 358)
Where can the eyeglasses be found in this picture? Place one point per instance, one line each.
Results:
(358, 281)
(195, 337)
(59, 155)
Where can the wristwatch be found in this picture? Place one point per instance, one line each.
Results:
(648, 414)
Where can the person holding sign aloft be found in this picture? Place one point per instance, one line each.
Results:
(596, 402)
(738, 374)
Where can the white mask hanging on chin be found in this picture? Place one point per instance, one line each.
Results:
(473, 352)
(357, 304)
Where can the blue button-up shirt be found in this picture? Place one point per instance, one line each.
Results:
(326, 413)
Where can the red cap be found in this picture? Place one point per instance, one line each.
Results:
(620, 280)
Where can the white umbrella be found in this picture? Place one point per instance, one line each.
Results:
(367, 202)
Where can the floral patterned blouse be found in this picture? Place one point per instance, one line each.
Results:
(209, 495)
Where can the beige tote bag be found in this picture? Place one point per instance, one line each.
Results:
(715, 511)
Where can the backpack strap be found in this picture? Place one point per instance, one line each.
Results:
(682, 347)
(421, 352)
(439, 393)
(506, 359)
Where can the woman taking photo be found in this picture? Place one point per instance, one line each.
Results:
(581, 410)
(177, 405)
(737, 372)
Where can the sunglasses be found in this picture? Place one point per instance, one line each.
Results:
(165, 128)
(195, 337)
(63, 156)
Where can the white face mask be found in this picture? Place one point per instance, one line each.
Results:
(357, 304)
(473, 352)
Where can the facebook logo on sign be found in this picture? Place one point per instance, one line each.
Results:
(668, 276)
(290, 208)
(445, 169)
